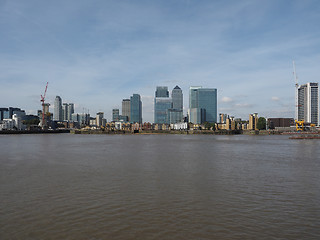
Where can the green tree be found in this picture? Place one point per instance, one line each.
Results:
(261, 125)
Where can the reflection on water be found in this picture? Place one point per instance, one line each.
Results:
(159, 187)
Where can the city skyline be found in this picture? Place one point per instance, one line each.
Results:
(95, 54)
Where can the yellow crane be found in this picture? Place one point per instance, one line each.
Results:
(299, 125)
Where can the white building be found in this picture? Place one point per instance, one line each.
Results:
(12, 124)
(308, 103)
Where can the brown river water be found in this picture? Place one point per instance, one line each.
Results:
(68, 186)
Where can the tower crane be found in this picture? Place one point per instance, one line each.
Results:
(299, 124)
(44, 122)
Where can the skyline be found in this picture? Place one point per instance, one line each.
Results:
(96, 53)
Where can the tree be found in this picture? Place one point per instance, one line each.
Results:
(261, 125)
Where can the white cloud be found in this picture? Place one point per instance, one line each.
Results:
(275, 98)
(226, 100)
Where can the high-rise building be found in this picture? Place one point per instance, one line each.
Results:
(162, 91)
(57, 113)
(177, 98)
(65, 111)
(115, 115)
(135, 109)
(126, 108)
(99, 118)
(308, 103)
(202, 105)
(70, 111)
(162, 103)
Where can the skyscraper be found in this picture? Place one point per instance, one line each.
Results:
(135, 109)
(57, 113)
(162, 103)
(308, 103)
(177, 98)
(65, 111)
(202, 105)
(162, 91)
(115, 114)
(70, 111)
(126, 108)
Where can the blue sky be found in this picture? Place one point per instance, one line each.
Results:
(95, 53)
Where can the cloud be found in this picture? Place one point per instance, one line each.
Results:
(226, 100)
(275, 99)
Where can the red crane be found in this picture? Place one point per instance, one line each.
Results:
(43, 106)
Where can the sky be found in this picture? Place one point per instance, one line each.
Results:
(94, 53)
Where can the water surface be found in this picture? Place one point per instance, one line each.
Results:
(68, 186)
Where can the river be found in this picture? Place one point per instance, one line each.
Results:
(65, 186)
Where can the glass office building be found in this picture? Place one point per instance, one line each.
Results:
(161, 107)
(135, 109)
(202, 105)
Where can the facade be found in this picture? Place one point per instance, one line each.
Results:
(177, 98)
(70, 111)
(273, 123)
(135, 109)
(115, 115)
(308, 103)
(162, 91)
(65, 111)
(162, 104)
(57, 112)
(126, 108)
(253, 121)
(202, 105)
(99, 118)
(175, 116)
(161, 108)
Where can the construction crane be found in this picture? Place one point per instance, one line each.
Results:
(44, 122)
(296, 93)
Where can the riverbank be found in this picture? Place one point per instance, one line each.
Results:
(35, 131)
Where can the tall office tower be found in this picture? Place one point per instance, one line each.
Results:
(65, 111)
(177, 98)
(175, 115)
(70, 111)
(57, 113)
(162, 91)
(115, 115)
(202, 105)
(162, 103)
(308, 103)
(99, 118)
(126, 108)
(135, 109)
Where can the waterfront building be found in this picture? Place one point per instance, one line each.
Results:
(308, 103)
(223, 117)
(202, 105)
(65, 111)
(84, 119)
(162, 103)
(273, 123)
(253, 121)
(70, 111)
(135, 109)
(99, 118)
(126, 108)
(57, 112)
(115, 115)
(175, 116)
(177, 98)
